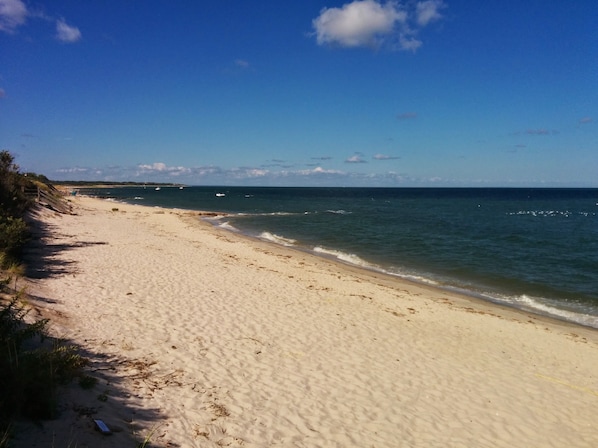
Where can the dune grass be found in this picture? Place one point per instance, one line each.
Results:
(32, 365)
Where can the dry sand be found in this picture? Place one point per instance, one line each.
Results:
(204, 338)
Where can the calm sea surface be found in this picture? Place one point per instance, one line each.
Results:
(535, 249)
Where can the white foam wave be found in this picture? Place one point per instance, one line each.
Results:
(277, 239)
(280, 214)
(343, 256)
(227, 226)
(550, 213)
(214, 218)
(538, 305)
(414, 278)
(251, 215)
(339, 212)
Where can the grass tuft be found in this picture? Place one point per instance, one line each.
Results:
(32, 367)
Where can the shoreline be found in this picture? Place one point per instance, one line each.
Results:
(217, 338)
(541, 307)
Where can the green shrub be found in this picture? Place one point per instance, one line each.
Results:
(13, 201)
(13, 205)
(13, 235)
(32, 366)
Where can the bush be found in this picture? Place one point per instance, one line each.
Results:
(13, 204)
(13, 201)
(13, 235)
(32, 366)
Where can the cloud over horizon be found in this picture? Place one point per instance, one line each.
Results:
(369, 23)
(384, 157)
(163, 168)
(356, 158)
(214, 175)
(251, 176)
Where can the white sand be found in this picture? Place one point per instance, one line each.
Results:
(204, 338)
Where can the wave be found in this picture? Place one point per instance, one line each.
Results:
(338, 212)
(550, 213)
(214, 218)
(543, 306)
(253, 215)
(344, 256)
(272, 237)
(228, 226)
(524, 302)
(279, 214)
(411, 276)
(571, 312)
(537, 305)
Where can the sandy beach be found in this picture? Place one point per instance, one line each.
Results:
(204, 338)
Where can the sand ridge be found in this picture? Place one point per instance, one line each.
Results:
(204, 338)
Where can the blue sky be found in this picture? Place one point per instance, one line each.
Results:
(362, 93)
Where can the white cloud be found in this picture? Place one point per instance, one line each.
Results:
(409, 43)
(355, 159)
(428, 11)
(72, 170)
(67, 33)
(243, 176)
(159, 167)
(357, 24)
(384, 157)
(254, 172)
(369, 23)
(13, 13)
(320, 170)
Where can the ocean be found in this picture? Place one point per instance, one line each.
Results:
(532, 249)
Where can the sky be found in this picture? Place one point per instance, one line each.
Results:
(457, 93)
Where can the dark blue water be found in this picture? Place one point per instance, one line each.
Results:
(535, 249)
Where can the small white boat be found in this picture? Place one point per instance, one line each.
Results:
(157, 188)
(180, 188)
(220, 195)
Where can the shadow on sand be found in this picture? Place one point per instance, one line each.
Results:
(118, 385)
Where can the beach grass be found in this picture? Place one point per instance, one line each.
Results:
(32, 365)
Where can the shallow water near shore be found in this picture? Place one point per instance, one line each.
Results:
(535, 249)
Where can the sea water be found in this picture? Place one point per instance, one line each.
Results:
(534, 249)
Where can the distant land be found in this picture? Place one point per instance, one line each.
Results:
(104, 184)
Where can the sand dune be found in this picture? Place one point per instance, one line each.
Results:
(204, 338)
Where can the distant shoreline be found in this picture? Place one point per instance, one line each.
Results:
(108, 184)
(86, 184)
